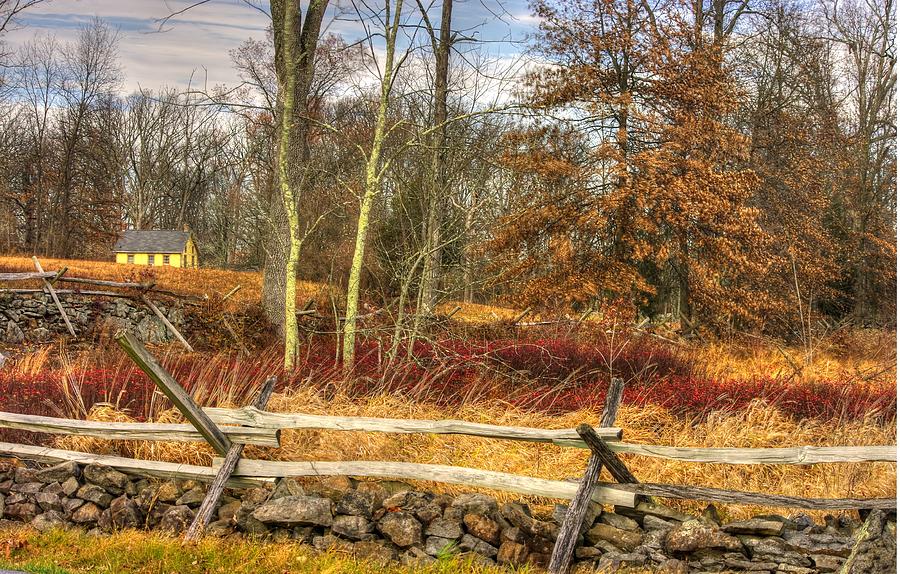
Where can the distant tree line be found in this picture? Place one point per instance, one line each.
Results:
(729, 164)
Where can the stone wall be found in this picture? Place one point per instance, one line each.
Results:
(389, 520)
(35, 318)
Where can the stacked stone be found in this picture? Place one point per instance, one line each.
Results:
(388, 520)
(35, 318)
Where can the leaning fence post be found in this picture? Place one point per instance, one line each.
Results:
(204, 513)
(166, 322)
(176, 393)
(49, 286)
(571, 526)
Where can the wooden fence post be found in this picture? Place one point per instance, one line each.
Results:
(205, 512)
(176, 393)
(570, 529)
(49, 286)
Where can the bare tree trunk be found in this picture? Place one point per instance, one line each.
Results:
(374, 175)
(432, 272)
(295, 47)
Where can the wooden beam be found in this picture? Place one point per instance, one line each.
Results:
(205, 512)
(134, 431)
(799, 455)
(170, 387)
(470, 477)
(616, 467)
(166, 322)
(263, 419)
(455, 310)
(59, 307)
(708, 494)
(570, 529)
(105, 283)
(58, 275)
(26, 276)
(126, 465)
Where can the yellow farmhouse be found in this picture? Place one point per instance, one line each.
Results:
(156, 248)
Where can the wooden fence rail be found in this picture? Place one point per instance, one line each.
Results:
(134, 431)
(250, 416)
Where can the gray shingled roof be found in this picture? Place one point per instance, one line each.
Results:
(156, 241)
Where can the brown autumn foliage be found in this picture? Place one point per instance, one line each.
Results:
(652, 172)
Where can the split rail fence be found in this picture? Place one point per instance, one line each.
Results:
(228, 430)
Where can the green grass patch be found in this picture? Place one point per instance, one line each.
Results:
(136, 552)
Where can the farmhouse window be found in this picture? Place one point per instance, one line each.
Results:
(131, 258)
(165, 259)
(151, 259)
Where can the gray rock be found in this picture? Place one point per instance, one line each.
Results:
(59, 472)
(287, 487)
(70, 486)
(192, 497)
(27, 487)
(48, 501)
(50, 520)
(444, 528)
(469, 543)
(70, 504)
(53, 488)
(774, 550)
(87, 513)
(619, 521)
(356, 503)
(474, 503)
(295, 511)
(353, 527)
(13, 334)
(819, 543)
(23, 475)
(94, 493)
(23, 511)
(228, 510)
(105, 476)
(438, 546)
(518, 515)
(483, 527)
(177, 519)
(692, 535)
(125, 513)
(755, 526)
(626, 540)
(401, 528)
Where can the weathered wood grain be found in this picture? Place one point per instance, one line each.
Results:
(134, 431)
(609, 459)
(211, 500)
(263, 419)
(783, 455)
(430, 472)
(126, 465)
(708, 494)
(26, 276)
(176, 393)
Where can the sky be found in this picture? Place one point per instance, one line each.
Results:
(193, 47)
